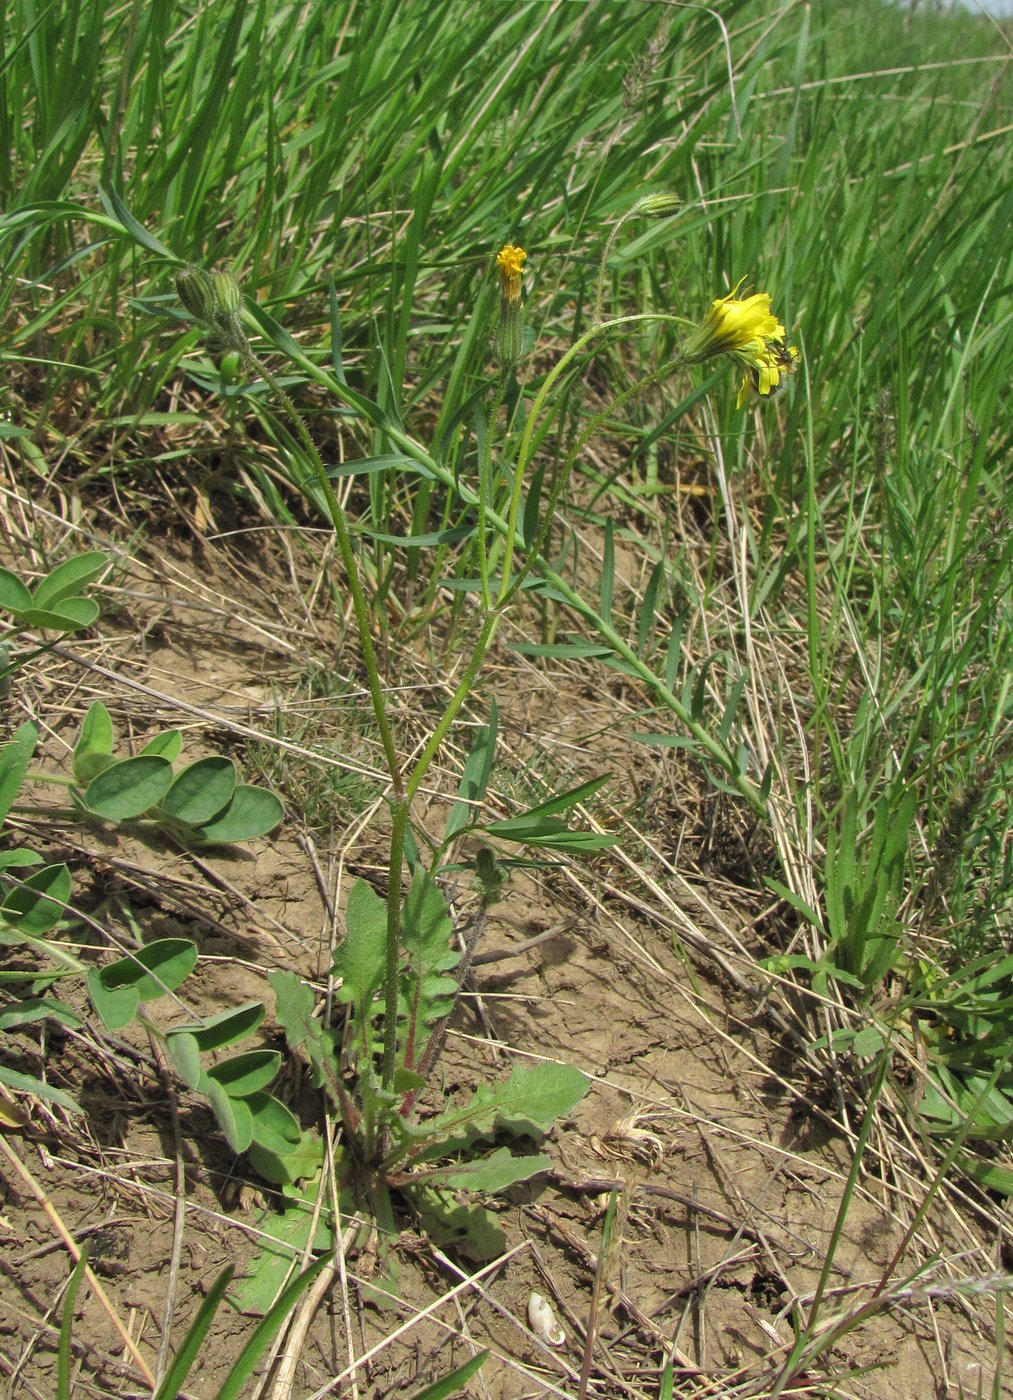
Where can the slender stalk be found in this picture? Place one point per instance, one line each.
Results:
(337, 518)
(747, 789)
(525, 452)
(401, 802)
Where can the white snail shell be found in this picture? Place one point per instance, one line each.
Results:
(542, 1321)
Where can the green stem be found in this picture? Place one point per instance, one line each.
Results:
(526, 450)
(401, 802)
(337, 518)
(748, 790)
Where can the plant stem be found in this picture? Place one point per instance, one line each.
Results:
(400, 801)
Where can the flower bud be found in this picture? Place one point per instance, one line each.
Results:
(197, 292)
(510, 336)
(657, 205)
(228, 297)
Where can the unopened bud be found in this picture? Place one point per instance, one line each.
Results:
(228, 297)
(197, 293)
(657, 205)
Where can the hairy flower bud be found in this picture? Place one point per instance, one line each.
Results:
(656, 205)
(197, 293)
(228, 297)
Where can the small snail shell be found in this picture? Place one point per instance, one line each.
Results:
(542, 1321)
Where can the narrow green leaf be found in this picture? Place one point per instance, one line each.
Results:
(177, 1373)
(608, 571)
(453, 1383)
(27, 1084)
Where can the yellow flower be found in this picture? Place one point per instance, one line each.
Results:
(745, 329)
(510, 260)
(766, 373)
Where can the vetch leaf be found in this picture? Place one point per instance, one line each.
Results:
(243, 1075)
(184, 1054)
(234, 1118)
(129, 788)
(14, 596)
(15, 757)
(68, 578)
(116, 1006)
(39, 901)
(201, 791)
(68, 615)
(252, 812)
(216, 1032)
(153, 970)
(168, 744)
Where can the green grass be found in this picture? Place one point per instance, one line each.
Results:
(358, 169)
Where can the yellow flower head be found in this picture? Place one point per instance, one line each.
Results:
(510, 260)
(745, 329)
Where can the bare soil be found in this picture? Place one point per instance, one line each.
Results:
(706, 1112)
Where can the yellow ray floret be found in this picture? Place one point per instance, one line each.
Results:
(745, 329)
(510, 261)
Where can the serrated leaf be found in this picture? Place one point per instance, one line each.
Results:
(360, 959)
(129, 788)
(493, 1173)
(69, 578)
(283, 1237)
(468, 1228)
(475, 778)
(294, 1013)
(530, 1101)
